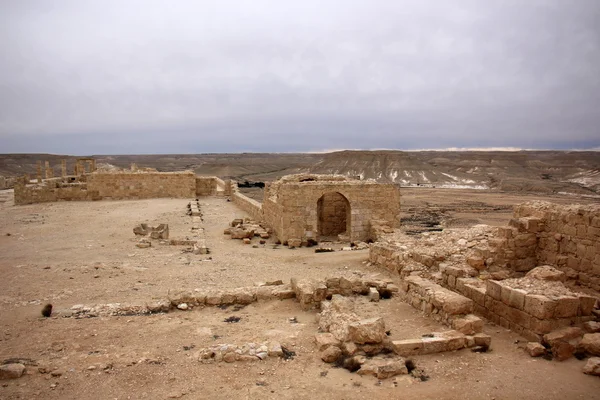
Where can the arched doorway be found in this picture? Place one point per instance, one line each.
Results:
(333, 215)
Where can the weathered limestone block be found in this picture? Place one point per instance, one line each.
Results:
(143, 243)
(11, 371)
(336, 315)
(141, 230)
(408, 347)
(592, 366)
(325, 340)
(591, 344)
(452, 303)
(161, 306)
(534, 349)
(468, 325)
(586, 304)
(373, 294)
(591, 326)
(370, 330)
(245, 295)
(214, 298)
(539, 306)
(241, 233)
(294, 242)
(383, 368)
(563, 342)
(331, 354)
(493, 289)
(566, 306)
(444, 341)
(476, 262)
(481, 339)
(283, 292)
(160, 232)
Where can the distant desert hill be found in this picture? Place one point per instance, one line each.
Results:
(526, 171)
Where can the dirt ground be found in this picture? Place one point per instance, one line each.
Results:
(85, 253)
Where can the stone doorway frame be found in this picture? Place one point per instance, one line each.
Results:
(320, 207)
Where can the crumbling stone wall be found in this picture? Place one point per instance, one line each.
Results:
(567, 237)
(143, 185)
(53, 190)
(290, 205)
(251, 206)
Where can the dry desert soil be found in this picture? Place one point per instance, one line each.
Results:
(73, 253)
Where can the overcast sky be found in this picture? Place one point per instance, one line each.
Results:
(100, 77)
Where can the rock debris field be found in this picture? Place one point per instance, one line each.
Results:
(78, 255)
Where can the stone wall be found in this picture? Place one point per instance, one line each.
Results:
(53, 190)
(206, 186)
(567, 237)
(291, 207)
(251, 206)
(526, 312)
(143, 185)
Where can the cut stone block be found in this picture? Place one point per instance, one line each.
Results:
(539, 306)
(535, 349)
(468, 325)
(370, 330)
(408, 347)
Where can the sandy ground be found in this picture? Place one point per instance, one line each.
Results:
(73, 253)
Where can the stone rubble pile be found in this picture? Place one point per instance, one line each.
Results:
(345, 338)
(248, 352)
(247, 229)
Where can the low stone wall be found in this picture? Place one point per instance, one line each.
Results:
(441, 304)
(251, 206)
(529, 314)
(144, 185)
(52, 191)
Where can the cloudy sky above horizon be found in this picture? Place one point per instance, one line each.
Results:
(146, 76)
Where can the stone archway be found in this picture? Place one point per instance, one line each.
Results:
(333, 215)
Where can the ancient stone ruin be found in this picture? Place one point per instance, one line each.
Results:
(539, 276)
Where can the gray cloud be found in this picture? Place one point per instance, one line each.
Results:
(198, 76)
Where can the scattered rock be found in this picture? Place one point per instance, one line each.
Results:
(592, 366)
(183, 306)
(563, 342)
(534, 349)
(143, 243)
(591, 344)
(11, 371)
(373, 294)
(326, 340)
(383, 368)
(331, 354)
